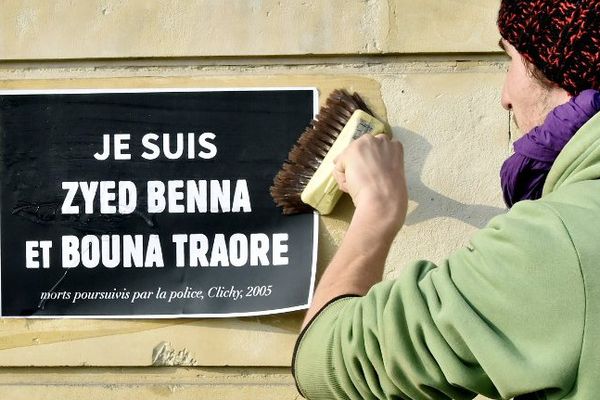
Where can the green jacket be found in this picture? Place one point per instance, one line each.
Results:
(515, 313)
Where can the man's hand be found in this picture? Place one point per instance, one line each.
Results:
(371, 170)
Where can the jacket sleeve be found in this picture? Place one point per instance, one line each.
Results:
(502, 317)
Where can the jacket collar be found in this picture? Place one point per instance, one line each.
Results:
(579, 160)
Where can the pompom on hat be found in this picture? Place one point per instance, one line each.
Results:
(561, 38)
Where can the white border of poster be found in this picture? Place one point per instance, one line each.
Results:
(10, 92)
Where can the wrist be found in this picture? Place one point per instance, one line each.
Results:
(385, 204)
(381, 219)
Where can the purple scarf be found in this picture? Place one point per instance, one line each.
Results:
(523, 174)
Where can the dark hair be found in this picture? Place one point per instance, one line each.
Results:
(538, 75)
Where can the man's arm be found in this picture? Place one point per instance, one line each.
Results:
(502, 317)
(371, 170)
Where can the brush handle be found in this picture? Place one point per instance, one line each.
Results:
(322, 191)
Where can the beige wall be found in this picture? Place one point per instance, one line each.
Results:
(431, 66)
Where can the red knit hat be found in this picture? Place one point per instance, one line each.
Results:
(561, 38)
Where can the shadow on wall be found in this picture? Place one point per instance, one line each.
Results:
(432, 204)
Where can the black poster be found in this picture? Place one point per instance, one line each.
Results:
(151, 203)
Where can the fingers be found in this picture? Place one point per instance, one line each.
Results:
(339, 172)
(340, 178)
(378, 147)
(369, 164)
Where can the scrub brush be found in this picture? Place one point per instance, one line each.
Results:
(306, 181)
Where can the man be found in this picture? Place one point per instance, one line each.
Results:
(517, 312)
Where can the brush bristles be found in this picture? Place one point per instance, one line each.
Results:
(310, 149)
